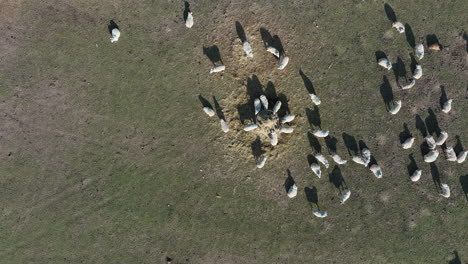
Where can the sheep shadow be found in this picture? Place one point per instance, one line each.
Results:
(380, 55)
(218, 109)
(240, 32)
(432, 124)
(313, 116)
(443, 96)
(254, 89)
(421, 126)
(314, 143)
(390, 13)
(336, 178)
(307, 83)
(435, 176)
(405, 134)
(410, 36)
(350, 143)
(464, 185)
(399, 70)
(458, 146)
(213, 54)
(256, 148)
(331, 142)
(273, 41)
(204, 102)
(289, 182)
(111, 26)
(273, 97)
(312, 196)
(412, 166)
(311, 159)
(456, 259)
(413, 63)
(386, 92)
(186, 9)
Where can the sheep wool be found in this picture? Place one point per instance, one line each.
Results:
(257, 105)
(408, 143)
(277, 107)
(250, 127)
(248, 49)
(189, 20)
(283, 62)
(462, 156)
(410, 84)
(115, 35)
(264, 101)
(315, 99)
(430, 142)
(376, 170)
(417, 74)
(396, 108)
(359, 160)
(338, 159)
(273, 51)
(345, 196)
(419, 51)
(261, 162)
(319, 213)
(431, 156)
(273, 138)
(451, 155)
(316, 169)
(210, 112)
(399, 27)
(321, 158)
(416, 176)
(366, 155)
(447, 106)
(218, 68)
(445, 190)
(384, 62)
(442, 138)
(292, 192)
(321, 133)
(287, 118)
(224, 126)
(286, 130)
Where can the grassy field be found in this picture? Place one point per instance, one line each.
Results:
(107, 157)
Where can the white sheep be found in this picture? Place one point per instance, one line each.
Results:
(384, 62)
(451, 155)
(287, 118)
(359, 160)
(315, 99)
(321, 133)
(396, 108)
(408, 143)
(419, 51)
(376, 170)
(250, 127)
(277, 107)
(366, 155)
(399, 27)
(292, 192)
(416, 176)
(409, 84)
(320, 157)
(338, 159)
(115, 35)
(316, 169)
(431, 156)
(462, 156)
(345, 196)
(189, 20)
(442, 138)
(210, 112)
(430, 142)
(447, 106)
(273, 138)
(283, 62)
(248, 49)
(264, 101)
(257, 106)
(224, 126)
(218, 68)
(261, 162)
(273, 51)
(417, 74)
(319, 213)
(286, 130)
(445, 190)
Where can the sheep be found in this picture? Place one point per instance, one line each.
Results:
(315, 99)
(442, 138)
(321, 133)
(248, 49)
(264, 101)
(376, 170)
(287, 118)
(447, 106)
(250, 127)
(384, 62)
(416, 175)
(408, 143)
(316, 169)
(257, 106)
(261, 162)
(189, 20)
(451, 155)
(396, 108)
(319, 213)
(435, 46)
(399, 27)
(462, 156)
(286, 130)
(430, 142)
(345, 196)
(292, 192)
(338, 159)
(417, 74)
(410, 84)
(431, 156)
(115, 35)
(273, 138)
(320, 157)
(273, 51)
(283, 62)
(359, 160)
(445, 190)
(277, 107)
(218, 68)
(210, 112)
(419, 51)
(224, 126)
(366, 155)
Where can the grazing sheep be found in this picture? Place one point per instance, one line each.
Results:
(321, 133)
(277, 107)
(399, 27)
(417, 74)
(257, 105)
(320, 157)
(416, 175)
(462, 156)
(445, 190)
(376, 170)
(408, 143)
(218, 68)
(283, 62)
(286, 130)
(115, 35)
(431, 156)
(315, 99)
(248, 49)
(447, 106)
(210, 112)
(366, 155)
(435, 46)
(273, 51)
(451, 155)
(292, 192)
(430, 142)
(287, 118)
(264, 101)
(419, 51)
(409, 85)
(345, 196)
(273, 138)
(250, 127)
(261, 162)
(442, 138)
(338, 159)
(384, 62)
(396, 108)
(359, 160)
(319, 213)
(316, 169)
(189, 20)
(224, 126)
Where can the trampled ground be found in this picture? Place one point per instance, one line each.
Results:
(107, 157)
